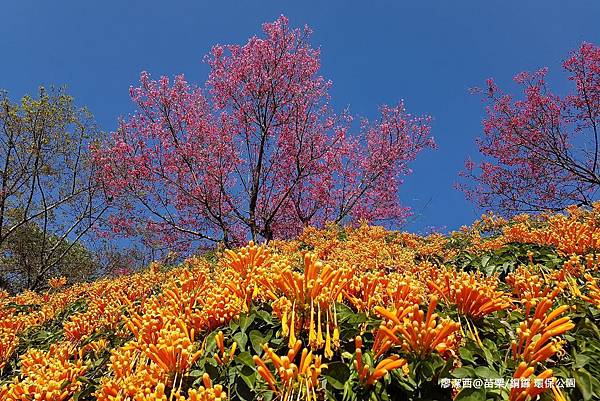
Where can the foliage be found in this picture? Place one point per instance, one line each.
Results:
(21, 263)
(48, 198)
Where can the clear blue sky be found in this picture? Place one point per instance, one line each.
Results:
(426, 52)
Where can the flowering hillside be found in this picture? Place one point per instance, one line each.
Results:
(504, 309)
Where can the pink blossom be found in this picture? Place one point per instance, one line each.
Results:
(259, 152)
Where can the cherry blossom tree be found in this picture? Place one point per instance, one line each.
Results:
(259, 152)
(540, 152)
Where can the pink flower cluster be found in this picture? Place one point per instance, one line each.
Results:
(541, 151)
(258, 153)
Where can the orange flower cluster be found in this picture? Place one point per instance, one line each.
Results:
(473, 294)
(308, 299)
(244, 267)
(538, 342)
(57, 282)
(295, 380)
(8, 344)
(369, 376)
(525, 373)
(364, 292)
(537, 335)
(593, 295)
(577, 232)
(419, 333)
(223, 358)
(130, 376)
(530, 288)
(160, 319)
(50, 376)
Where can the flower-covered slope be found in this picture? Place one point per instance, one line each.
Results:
(341, 313)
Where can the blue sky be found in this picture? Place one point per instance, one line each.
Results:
(426, 52)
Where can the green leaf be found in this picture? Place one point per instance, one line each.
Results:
(581, 360)
(337, 374)
(265, 316)
(466, 355)
(245, 359)
(487, 373)
(241, 339)
(245, 321)
(347, 315)
(211, 344)
(248, 375)
(583, 381)
(464, 371)
(471, 394)
(257, 340)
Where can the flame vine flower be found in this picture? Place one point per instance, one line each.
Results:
(296, 381)
(417, 332)
(538, 335)
(368, 375)
(475, 296)
(308, 302)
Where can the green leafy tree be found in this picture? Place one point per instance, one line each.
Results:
(26, 264)
(47, 189)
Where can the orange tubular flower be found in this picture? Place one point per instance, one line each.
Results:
(8, 344)
(369, 376)
(246, 266)
(593, 296)
(130, 374)
(296, 380)
(417, 332)
(538, 335)
(530, 287)
(94, 346)
(224, 358)
(57, 282)
(576, 232)
(530, 392)
(309, 301)
(174, 350)
(79, 326)
(404, 291)
(208, 392)
(50, 376)
(475, 296)
(364, 292)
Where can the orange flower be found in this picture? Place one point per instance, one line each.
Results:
(538, 334)
(524, 374)
(364, 292)
(309, 301)
(475, 296)
(369, 376)
(419, 333)
(208, 392)
(593, 295)
(57, 282)
(50, 376)
(8, 344)
(530, 288)
(575, 232)
(295, 380)
(244, 267)
(174, 350)
(224, 358)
